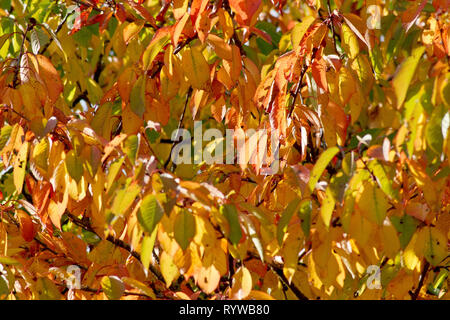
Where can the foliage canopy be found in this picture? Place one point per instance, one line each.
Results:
(91, 91)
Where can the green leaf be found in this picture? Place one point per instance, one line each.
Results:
(3, 39)
(74, 165)
(320, 166)
(158, 42)
(131, 146)
(137, 97)
(40, 153)
(94, 90)
(184, 228)
(9, 261)
(112, 172)
(383, 178)
(405, 74)
(231, 214)
(124, 198)
(433, 132)
(373, 203)
(285, 218)
(150, 213)
(113, 287)
(255, 211)
(304, 213)
(436, 286)
(147, 249)
(435, 249)
(406, 226)
(396, 42)
(4, 135)
(47, 290)
(4, 288)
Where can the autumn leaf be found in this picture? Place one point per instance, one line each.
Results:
(313, 147)
(150, 213)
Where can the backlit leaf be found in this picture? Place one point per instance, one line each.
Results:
(113, 287)
(405, 74)
(231, 214)
(184, 228)
(150, 213)
(320, 166)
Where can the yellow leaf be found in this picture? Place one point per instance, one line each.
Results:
(347, 85)
(160, 39)
(410, 256)
(208, 278)
(299, 31)
(40, 153)
(221, 48)
(113, 287)
(433, 243)
(131, 30)
(373, 203)
(259, 295)
(391, 242)
(226, 23)
(20, 165)
(140, 286)
(56, 209)
(349, 42)
(47, 290)
(195, 67)
(327, 207)
(242, 284)
(147, 249)
(405, 74)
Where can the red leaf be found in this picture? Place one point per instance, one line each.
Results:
(27, 229)
(245, 10)
(262, 34)
(197, 7)
(81, 20)
(143, 12)
(121, 15)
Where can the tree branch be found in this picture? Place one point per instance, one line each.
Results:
(423, 275)
(294, 289)
(115, 241)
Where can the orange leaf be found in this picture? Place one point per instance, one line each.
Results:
(50, 77)
(319, 72)
(245, 10)
(27, 229)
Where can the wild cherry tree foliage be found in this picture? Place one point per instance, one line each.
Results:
(93, 205)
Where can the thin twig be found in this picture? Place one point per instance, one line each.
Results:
(331, 26)
(58, 28)
(5, 107)
(180, 122)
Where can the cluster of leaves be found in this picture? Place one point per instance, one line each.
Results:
(91, 91)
